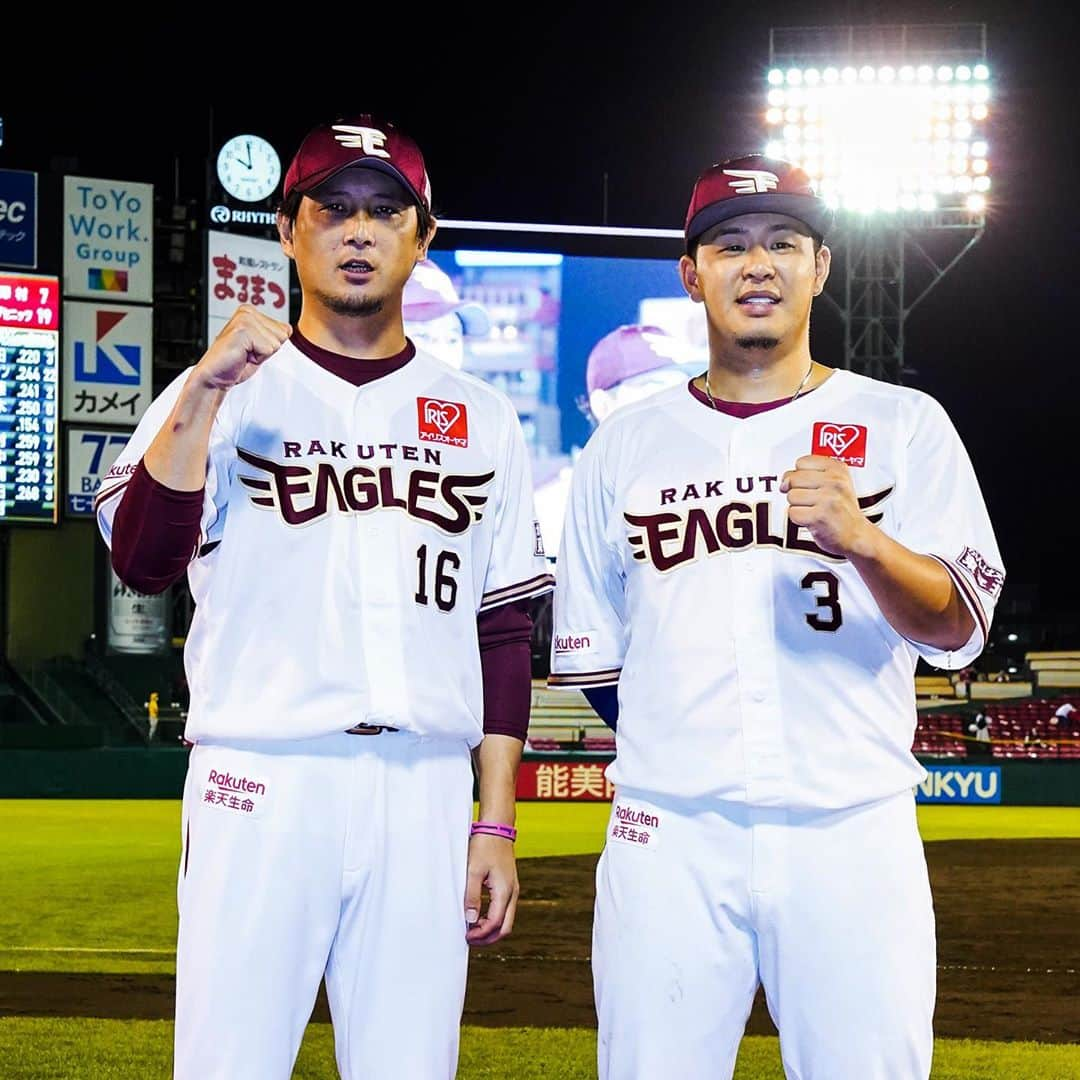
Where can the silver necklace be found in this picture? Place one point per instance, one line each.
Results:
(798, 391)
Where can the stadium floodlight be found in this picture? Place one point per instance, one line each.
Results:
(872, 119)
(891, 122)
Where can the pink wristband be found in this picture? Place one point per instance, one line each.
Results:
(493, 828)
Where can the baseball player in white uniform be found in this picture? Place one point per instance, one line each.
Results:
(351, 513)
(753, 563)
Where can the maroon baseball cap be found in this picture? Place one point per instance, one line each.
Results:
(362, 140)
(754, 184)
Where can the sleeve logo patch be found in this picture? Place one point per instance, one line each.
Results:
(988, 578)
(538, 547)
(568, 644)
(847, 442)
(442, 421)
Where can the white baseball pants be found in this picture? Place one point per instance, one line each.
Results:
(344, 855)
(829, 910)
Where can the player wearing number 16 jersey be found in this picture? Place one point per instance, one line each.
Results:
(355, 519)
(754, 562)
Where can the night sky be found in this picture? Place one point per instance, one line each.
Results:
(522, 112)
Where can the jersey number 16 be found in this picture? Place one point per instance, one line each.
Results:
(444, 587)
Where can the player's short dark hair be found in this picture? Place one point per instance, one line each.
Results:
(289, 207)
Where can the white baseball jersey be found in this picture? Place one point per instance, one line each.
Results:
(752, 666)
(349, 537)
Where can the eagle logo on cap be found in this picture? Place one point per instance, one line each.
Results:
(752, 181)
(354, 136)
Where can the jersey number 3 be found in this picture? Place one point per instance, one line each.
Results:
(826, 588)
(444, 587)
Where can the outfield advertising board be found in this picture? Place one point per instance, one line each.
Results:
(90, 455)
(973, 784)
(108, 239)
(572, 781)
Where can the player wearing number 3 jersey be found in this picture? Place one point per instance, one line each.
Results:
(756, 560)
(355, 518)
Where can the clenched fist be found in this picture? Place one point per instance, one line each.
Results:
(245, 341)
(821, 498)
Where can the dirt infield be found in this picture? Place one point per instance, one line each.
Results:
(1008, 952)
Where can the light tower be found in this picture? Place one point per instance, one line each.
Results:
(891, 124)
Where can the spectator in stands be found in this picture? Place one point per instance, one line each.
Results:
(1063, 716)
(1033, 740)
(963, 680)
(152, 709)
(980, 728)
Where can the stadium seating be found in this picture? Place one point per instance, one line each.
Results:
(984, 690)
(78, 699)
(604, 744)
(562, 720)
(1055, 670)
(941, 735)
(1018, 731)
(931, 688)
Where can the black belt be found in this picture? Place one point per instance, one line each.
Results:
(369, 729)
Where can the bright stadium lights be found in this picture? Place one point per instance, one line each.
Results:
(891, 122)
(892, 136)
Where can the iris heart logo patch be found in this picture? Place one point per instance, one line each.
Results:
(847, 442)
(442, 421)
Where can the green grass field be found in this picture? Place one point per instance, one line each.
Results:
(122, 1050)
(89, 886)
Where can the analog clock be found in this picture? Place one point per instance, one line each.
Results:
(248, 168)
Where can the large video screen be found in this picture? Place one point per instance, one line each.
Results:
(569, 337)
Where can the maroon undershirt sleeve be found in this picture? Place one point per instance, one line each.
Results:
(155, 530)
(505, 634)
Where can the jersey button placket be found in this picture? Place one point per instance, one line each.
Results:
(377, 558)
(755, 645)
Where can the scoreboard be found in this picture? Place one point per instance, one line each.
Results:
(29, 404)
